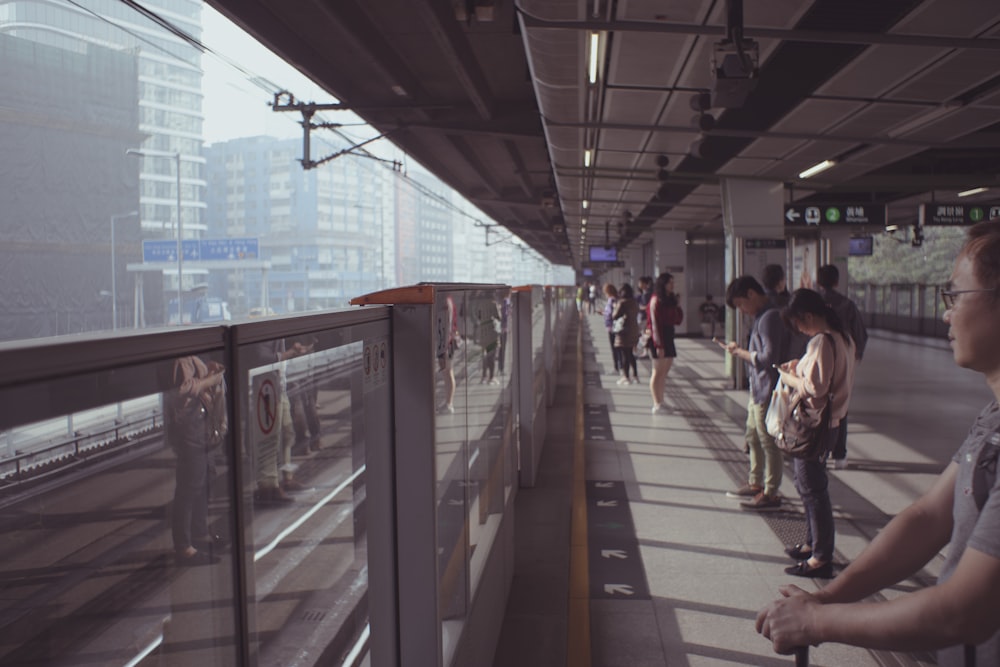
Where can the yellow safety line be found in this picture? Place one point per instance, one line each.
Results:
(578, 648)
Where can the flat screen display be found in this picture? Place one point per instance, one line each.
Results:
(860, 246)
(599, 253)
(588, 272)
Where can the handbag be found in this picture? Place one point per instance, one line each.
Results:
(618, 325)
(797, 430)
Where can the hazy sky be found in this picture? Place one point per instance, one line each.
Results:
(235, 107)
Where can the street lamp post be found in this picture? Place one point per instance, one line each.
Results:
(180, 223)
(114, 276)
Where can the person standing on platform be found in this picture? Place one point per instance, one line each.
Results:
(709, 311)
(611, 292)
(774, 285)
(592, 298)
(642, 299)
(823, 378)
(625, 326)
(664, 314)
(768, 346)
(960, 615)
(827, 280)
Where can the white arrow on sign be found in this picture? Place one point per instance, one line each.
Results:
(792, 215)
(623, 589)
(607, 503)
(604, 485)
(613, 553)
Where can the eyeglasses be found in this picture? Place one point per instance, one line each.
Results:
(951, 296)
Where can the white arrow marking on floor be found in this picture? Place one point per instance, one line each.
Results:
(607, 503)
(613, 553)
(624, 589)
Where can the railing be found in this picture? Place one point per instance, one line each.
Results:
(911, 309)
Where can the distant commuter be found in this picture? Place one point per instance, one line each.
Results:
(626, 329)
(611, 294)
(592, 298)
(709, 311)
(827, 281)
(823, 378)
(642, 297)
(664, 314)
(768, 346)
(775, 287)
(960, 616)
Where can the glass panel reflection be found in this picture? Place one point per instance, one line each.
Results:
(473, 441)
(117, 519)
(305, 468)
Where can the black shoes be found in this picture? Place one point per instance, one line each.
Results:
(803, 569)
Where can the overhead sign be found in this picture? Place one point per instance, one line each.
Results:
(943, 213)
(600, 253)
(201, 250)
(834, 214)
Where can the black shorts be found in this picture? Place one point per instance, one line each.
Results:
(668, 350)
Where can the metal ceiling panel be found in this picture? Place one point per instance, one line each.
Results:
(817, 115)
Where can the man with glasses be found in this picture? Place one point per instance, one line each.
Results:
(960, 616)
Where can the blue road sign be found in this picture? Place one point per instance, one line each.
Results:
(201, 249)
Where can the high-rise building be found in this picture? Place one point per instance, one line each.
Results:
(162, 87)
(328, 233)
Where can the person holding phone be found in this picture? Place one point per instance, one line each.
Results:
(768, 345)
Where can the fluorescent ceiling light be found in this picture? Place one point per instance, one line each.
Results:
(584, 222)
(817, 168)
(973, 191)
(586, 157)
(585, 203)
(595, 40)
(923, 119)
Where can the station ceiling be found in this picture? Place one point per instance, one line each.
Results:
(495, 97)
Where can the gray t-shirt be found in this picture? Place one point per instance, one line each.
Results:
(979, 529)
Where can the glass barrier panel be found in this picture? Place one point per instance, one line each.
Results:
(118, 518)
(454, 342)
(304, 469)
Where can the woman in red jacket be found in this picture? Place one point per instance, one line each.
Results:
(664, 313)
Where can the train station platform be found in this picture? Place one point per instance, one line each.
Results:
(675, 571)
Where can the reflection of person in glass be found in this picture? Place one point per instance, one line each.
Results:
(195, 421)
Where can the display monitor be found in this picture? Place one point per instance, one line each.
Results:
(860, 246)
(599, 253)
(588, 272)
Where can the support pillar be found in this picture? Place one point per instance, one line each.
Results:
(670, 255)
(752, 210)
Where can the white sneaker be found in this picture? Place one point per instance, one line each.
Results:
(622, 380)
(633, 381)
(660, 409)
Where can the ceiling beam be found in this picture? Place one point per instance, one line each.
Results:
(440, 21)
(798, 35)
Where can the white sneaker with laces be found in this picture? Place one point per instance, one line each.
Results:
(660, 409)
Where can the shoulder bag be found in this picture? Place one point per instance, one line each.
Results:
(797, 430)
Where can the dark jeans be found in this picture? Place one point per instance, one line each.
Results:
(813, 486)
(839, 450)
(626, 355)
(615, 354)
(191, 495)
